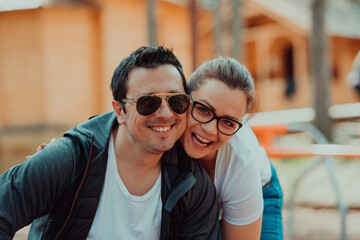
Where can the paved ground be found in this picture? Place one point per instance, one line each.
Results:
(322, 224)
(320, 219)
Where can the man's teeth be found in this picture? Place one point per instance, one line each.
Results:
(161, 129)
(204, 142)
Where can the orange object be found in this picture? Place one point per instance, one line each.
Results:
(266, 133)
(335, 150)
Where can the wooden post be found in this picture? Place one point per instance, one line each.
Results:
(151, 22)
(320, 68)
(193, 33)
(237, 30)
(217, 28)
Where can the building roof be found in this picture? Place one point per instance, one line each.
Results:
(9, 5)
(342, 16)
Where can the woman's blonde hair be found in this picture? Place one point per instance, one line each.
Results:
(230, 72)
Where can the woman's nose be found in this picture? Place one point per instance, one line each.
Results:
(210, 127)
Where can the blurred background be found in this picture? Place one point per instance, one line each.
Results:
(57, 58)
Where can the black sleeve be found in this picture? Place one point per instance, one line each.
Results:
(30, 190)
(202, 218)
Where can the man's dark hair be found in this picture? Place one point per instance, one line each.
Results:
(146, 57)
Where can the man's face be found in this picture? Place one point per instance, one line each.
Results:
(159, 131)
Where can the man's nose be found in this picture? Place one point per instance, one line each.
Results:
(164, 110)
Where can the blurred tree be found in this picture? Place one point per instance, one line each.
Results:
(320, 70)
(214, 6)
(217, 28)
(237, 30)
(151, 22)
(193, 14)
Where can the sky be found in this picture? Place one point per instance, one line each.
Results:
(8, 5)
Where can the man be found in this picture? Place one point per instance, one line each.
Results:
(120, 175)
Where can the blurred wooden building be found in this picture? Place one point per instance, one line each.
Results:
(56, 61)
(277, 39)
(275, 46)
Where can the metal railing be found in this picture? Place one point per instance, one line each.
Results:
(322, 150)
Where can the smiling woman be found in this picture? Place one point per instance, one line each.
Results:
(222, 91)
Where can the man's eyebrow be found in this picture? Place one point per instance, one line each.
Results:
(213, 109)
(172, 91)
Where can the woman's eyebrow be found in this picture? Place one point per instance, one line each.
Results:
(207, 104)
(214, 110)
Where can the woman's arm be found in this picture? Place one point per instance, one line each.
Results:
(251, 231)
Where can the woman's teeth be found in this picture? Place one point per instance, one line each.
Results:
(200, 140)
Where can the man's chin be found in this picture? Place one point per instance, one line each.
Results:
(163, 147)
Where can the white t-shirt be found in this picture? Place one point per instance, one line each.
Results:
(121, 215)
(242, 168)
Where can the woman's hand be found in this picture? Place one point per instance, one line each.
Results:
(40, 147)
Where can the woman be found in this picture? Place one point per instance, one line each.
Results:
(249, 193)
(222, 91)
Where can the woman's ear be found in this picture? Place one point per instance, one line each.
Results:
(119, 111)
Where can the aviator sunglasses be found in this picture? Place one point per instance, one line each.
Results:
(149, 104)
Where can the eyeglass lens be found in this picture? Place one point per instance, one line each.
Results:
(203, 114)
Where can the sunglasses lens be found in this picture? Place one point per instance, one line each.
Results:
(147, 105)
(179, 103)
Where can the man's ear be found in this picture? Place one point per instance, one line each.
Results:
(119, 112)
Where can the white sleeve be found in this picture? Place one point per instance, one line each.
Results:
(239, 187)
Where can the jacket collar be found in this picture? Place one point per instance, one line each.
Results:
(98, 127)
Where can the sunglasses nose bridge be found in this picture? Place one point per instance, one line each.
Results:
(164, 109)
(164, 100)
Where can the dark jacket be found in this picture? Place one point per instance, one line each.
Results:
(58, 189)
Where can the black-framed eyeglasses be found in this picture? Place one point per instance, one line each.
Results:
(225, 125)
(149, 104)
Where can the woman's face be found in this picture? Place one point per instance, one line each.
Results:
(202, 140)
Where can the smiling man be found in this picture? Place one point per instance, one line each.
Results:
(122, 174)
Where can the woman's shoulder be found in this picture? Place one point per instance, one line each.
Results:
(246, 137)
(243, 145)
(239, 154)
